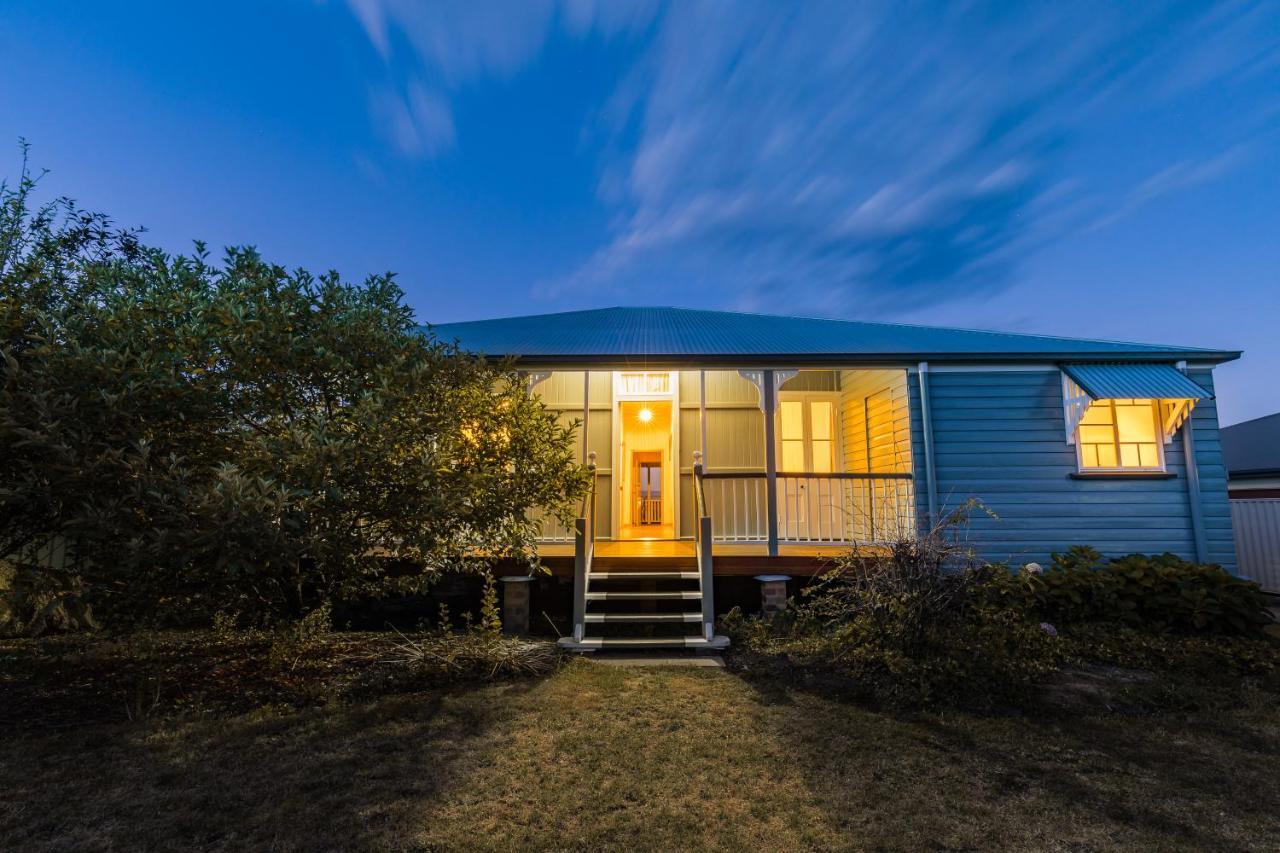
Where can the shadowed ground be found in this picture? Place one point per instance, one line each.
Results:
(649, 758)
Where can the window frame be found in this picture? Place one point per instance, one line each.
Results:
(805, 398)
(1158, 431)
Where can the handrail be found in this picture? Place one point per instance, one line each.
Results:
(834, 475)
(584, 547)
(703, 540)
(699, 493)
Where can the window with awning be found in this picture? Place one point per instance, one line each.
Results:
(1119, 415)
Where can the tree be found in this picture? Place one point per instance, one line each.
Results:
(239, 436)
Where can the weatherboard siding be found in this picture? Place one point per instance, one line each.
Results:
(999, 437)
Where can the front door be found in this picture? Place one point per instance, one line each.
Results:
(647, 488)
(808, 507)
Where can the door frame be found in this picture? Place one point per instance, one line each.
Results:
(622, 463)
(806, 506)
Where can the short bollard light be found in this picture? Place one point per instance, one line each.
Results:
(773, 593)
(515, 604)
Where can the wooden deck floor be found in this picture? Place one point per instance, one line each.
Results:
(731, 558)
(668, 548)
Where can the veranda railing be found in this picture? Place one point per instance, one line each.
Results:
(832, 508)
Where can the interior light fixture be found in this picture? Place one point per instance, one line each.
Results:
(645, 415)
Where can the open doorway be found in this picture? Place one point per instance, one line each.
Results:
(648, 480)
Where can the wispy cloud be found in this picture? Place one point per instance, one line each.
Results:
(801, 156)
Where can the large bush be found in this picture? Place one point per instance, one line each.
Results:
(234, 436)
(1156, 593)
(929, 624)
(907, 628)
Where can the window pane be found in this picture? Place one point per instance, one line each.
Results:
(1129, 456)
(820, 419)
(1097, 434)
(1097, 413)
(1136, 423)
(821, 457)
(1150, 456)
(1106, 456)
(1089, 456)
(792, 420)
(793, 456)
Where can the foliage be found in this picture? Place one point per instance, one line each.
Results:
(36, 599)
(294, 639)
(903, 628)
(446, 657)
(1157, 593)
(490, 610)
(1202, 657)
(238, 437)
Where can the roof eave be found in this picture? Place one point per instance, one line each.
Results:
(1213, 357)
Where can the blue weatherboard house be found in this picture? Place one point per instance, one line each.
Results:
(727, 444)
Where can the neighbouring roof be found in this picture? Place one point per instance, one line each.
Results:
(673, 335)
(1252, 447)
(1103, 381)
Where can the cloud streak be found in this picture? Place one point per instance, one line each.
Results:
(802, 157)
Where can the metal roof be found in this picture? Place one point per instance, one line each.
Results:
(675, 335)
(1252, 447)
(1143, 381)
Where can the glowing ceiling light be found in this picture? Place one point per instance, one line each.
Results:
(645, 415)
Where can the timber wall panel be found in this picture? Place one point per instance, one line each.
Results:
(1000, 437)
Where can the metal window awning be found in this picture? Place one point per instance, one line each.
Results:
(1082, 383)
(1137, 381)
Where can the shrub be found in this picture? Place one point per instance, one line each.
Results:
(1204, 657)
(37, 599)
(904, 629)
(1157, 593)
(293, 639)
(443, 658)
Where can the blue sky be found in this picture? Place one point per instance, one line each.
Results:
(1098, 170)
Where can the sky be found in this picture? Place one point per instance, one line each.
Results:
(1087, 169)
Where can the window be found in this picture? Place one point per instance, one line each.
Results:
(1120, 435)
(645, 383)
(808, 437)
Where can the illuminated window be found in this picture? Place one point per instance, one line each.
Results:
(792, 435)
(1120, 435)
(645, 383)
(808, 443)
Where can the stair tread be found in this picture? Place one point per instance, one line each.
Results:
(643, 617)
(688, 576)
(689, 594)
(718, 642)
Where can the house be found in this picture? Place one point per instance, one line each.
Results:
(728, 444)
(1251, 451)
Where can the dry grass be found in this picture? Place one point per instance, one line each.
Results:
(598, 757)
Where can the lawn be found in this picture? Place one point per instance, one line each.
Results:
(607, 757)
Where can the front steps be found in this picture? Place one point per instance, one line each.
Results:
(591, 644)
(641, 610)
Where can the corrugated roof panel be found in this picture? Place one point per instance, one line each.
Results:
(1252, 446)
(1140, 381)
(674, 333)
